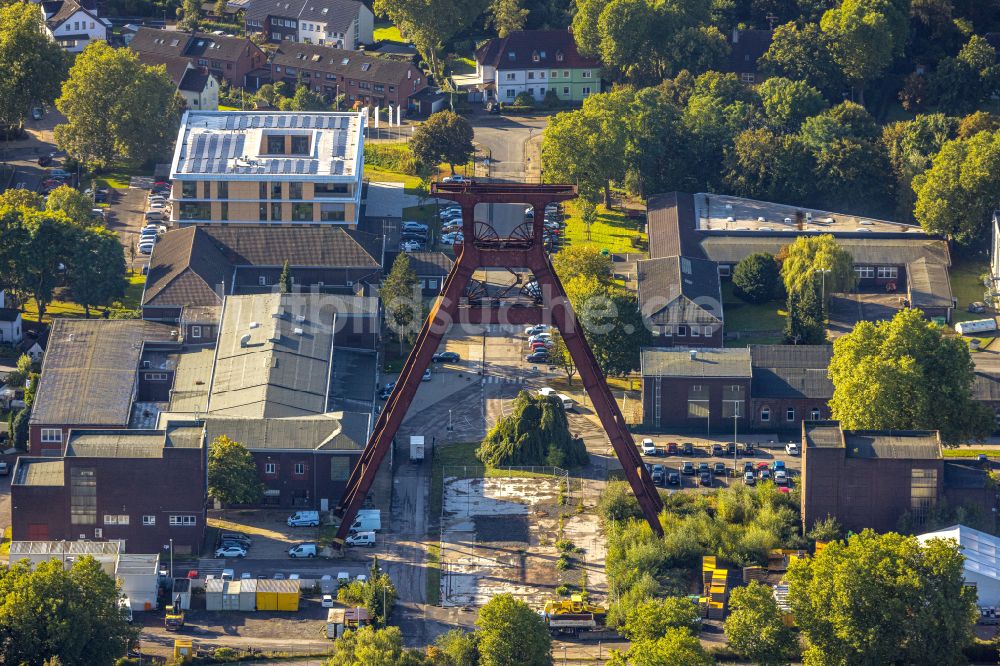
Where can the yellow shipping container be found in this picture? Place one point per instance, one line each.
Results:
(183, 649)
(277, 595)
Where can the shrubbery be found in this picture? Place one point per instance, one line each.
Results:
(535, 433)
(391, 157)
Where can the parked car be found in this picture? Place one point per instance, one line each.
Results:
(59, 173)
(781, 477)
(386, 390)
(446, 357)
(687, 467)
(46, 159)
(687, 448)
(302, 550)
(703, 468)
(279, 576)
(716, 450)
(764, 474)
(748, 467)
(453, 238)
(673, 479)
(658, 475)
(410, 246)
(228, 574)
(671, 448)
(343, 578)
(719, 469)
(411, 225)
(230, 551)
(749, 479)
(327, 601)
(146, 248)
(37, 113)
(4, 469)
(705, 479)
(792, 449)
(538, 357)
(457, 178)
(977, 307)
(246, 575)
(648, 447)
(427, 375)
(361, 539)
(778, 465)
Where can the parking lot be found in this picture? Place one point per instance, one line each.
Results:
(703, 454)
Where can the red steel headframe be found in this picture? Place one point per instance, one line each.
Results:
(524, 252)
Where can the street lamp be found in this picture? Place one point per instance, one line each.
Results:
(823, 272)
(171, 559)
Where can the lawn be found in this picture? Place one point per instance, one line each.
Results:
(967, 453)
(612, 231)
(61, 308)
(388, 32)
(743, 316)
(967, 286)
(228, 108)
(117, 177)
(433, 573)
(460, 65)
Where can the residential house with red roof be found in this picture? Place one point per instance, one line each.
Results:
(536, 62)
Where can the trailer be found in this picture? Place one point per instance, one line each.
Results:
(416, 448)
(976, 326)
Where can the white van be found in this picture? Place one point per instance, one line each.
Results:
(361, 539)
(154, 215)
(302, 550)
(367, 523)
(546, 391)
(304, 519)
(567, 402)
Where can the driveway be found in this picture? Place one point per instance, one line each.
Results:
(127, 208)
(848, 309)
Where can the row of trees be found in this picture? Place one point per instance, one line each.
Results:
(47, 246)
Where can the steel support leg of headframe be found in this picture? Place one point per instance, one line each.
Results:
(499, 253)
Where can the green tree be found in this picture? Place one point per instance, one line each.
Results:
(47, 242)
(19, 376)
(431, 24)
(810, 254)
(755, 628)
(507, 16)
(70, 614)
(190, 14)
(73, 203)
(826, 529)
(755, 278)
(458, 647)
(401, 299)
(910, 146)
(285, 279)
(582, 260)
(611, 322)
(805, 322)
(956, 196)
(854, 175)
(865, 37)
(33, 65)
(18, 197)
(21, 425)
(561, 358)
(510, 632)
(653, 618)
(97, 268)
(679, 647)
(787, 103)
(618, 503)
(971, 125)
(232, 473)
(444, 137)
(305, 100)
(802, 53)
(846, 120)
(765, 165)
(116, 108)
(914, 594)
(905, 374)
(369, 646)
(535, 432)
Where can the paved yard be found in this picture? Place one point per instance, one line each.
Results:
(848, 309)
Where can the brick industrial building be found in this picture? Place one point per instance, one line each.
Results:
(873, 479)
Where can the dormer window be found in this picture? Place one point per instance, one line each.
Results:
(535, 57)
(511, 56)
(559, 56)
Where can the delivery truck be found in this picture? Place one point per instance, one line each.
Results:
(416, 448)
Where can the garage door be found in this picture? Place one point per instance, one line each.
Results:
(38, 532)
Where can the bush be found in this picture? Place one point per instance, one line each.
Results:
(756, 278)
(524, 99)
(395, 157)
(551, 100)
(225, 654)
(618, 503)
(563, 590)
(564, 562)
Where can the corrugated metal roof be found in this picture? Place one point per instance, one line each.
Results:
(20, 549)
(907, 445)
(40, 473)
(138, 564)
(928, 284)
(132, 443)
(680, 362)
(731, 247)
(333, 431)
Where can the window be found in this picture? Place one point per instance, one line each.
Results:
(270, 468)
(51, 435)
(262, 280)
(695, 332)
(196, 331)
(300, 145)
(300, 469)
(155, 376)
(195, 211)
(923, 492)
(559, 56)
(682, 330)
(115, 519)
(814, 415)
(221, 190)
(566, 74)
(276, 144)
(189, 189)
(586, 91)
(83, 496)
(888, 272)
(340, 468)
(331, 212)
(294, 190)
(224, 211)
(765, 414)
(203, 62)
(733, 397)
(262, 212)
(261, 190)
(707, 331)
(302, 212)
(510, 93)
(565, 90)
(149, 521)
(432, 284)
(747, 77)
(790, 414)
(531, 76)
(698, 401)
(509, 76)
(863, 272)
(276, 212)
(183, 521)
(534, 58)
(331, 189)
(275, 190)
(98, 533)
(585, 74)
(511, 56)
